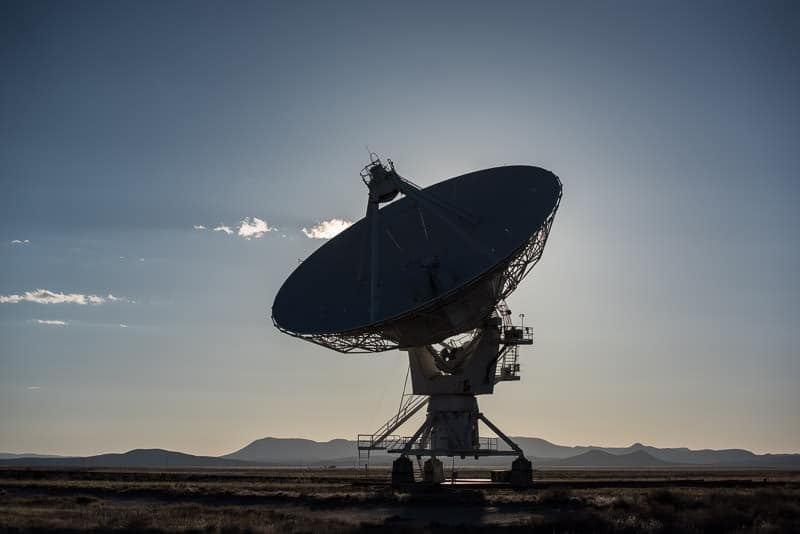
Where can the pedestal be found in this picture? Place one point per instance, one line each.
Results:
(453, 421)
(402, 471)
(433, 471)
(521, 473)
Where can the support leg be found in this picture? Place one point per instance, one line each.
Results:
(516, 448)
(403, 468)
(408, 446)
(521, 469)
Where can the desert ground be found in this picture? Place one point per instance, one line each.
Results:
(352, 500)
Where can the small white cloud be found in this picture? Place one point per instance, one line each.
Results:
(327, 229)
(253, 227)
(51, 322)
(20, 242)
(122, 257)
(248, 228)
(123, 325)
(33, 388)
(45, 296)
(141, 259)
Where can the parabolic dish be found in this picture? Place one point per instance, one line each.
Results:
(438, 273)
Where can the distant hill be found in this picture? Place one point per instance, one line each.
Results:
(157, 458)
(12, 455)
(597, 458)
(295, 451)
(540, 448)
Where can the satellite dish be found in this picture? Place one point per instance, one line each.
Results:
(425, 267)
(428, 273)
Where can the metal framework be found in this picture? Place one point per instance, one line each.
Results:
(419, 444)
(505, 368)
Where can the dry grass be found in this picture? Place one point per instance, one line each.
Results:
(295, 500)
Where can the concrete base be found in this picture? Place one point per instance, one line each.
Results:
(433, 471)
(521, 473)
(402, 471)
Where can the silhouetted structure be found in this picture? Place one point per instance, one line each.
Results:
(428, 274)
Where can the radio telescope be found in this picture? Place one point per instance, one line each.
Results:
(428, 274)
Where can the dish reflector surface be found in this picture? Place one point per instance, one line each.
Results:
(440, 271)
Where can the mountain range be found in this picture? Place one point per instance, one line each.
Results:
(304, 452)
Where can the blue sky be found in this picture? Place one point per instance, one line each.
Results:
(665, 307)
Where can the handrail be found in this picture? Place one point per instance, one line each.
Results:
(409, 408)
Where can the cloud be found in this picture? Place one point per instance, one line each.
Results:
(254, 227)
(123, 325)
(51, 322)
(327, 229)
(22, 242)
(33, 388)
(45, 296)
(248, 228)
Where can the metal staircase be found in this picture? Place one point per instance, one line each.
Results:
(507, 365)
(383, 438)
(512, 337)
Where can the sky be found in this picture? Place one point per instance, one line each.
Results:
(665, 307)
